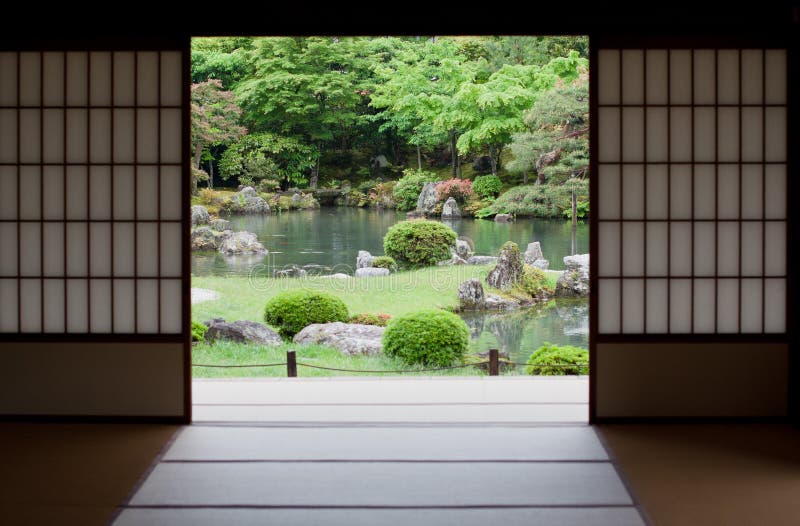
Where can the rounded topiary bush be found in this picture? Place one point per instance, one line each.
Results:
(487, 186)
(558, 360)
(291, 310)
(385, 262)
(429, 337)
(419, 242)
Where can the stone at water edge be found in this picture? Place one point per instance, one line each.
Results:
(241, 243)
(509, 267)
(364, 259)
(243, 331)
(463, 249)
(471, 295)
(482, 260)
(220, 225)
(503, 218)
(247, 201)
(533, 252)
(415, 214)
(203, 238)
(428, 198)
(450, 209)
(199, 215)
(574, 282)
(338, 275)
(348, 338)
(292, 271)
(371, 271)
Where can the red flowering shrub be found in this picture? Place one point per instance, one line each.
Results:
(458, 189)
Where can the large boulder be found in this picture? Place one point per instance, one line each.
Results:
(243, 331)
(503, 218)
(220, 225)
(533, 252)
(481, 260)
(464, 248)
(364, 259)
(347, 338)
(291, 271)
(199, 215)
(241, 243)
(372, 271)
(574, 282)
(509, 267)
(203, 238)
(428, 198)
(247, 201)
(450, 209)
(471, 296)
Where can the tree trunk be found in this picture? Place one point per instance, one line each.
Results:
(458, 162)
(454, 153)
(525, 177)
(419, 158)
(198, 154)
(210, 173)
(493, 160)
(540, 177)
(312, 181)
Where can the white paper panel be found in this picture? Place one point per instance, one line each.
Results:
(8, 79)
(704, 85)
(147, 305)
(609, 192)
(776, 76)
(704, 297)
(77, 250)
(124, 190)
(77, 305)
(728, 191)
(608, 135)
(632, 76)
(171, 78)
(124, 122)
(100, 126)
(30, 79)
(680, 134)
(752, 135)
(608, 76)
(30, 129)
(776, 191)
(171, 306)
(776, 135)
(680, 305)
(657, 306)
(100, 256)
(680, 251)
(751, 248)
(100, 87)
(633, 134)
(171, 249)
(146, 181)
(147, 136)
(727, 305)
(77, 198)
(633, 249)
(633, 306)
(704, 192)
(8, 131)
(751, 305)
(8, 197)
(8, 305)
(728, 249)
(775, 305)
(100, 198)
(752, 76)
(657, 134)
(77, 79)
(54, 290)
(147, 256)
(53, 249)
(147, 78)
(775, 238)
(609, 260)
(77, 133)
(30, 249)
(124, 79)
(728, 134)
(704, 246)
(704, 134)
(171, 128)
(657, 192)
(54, 73)
(633, 195)
(752, 191)
(100, 296)
(171, 198)
(53, 136)
(124, 243)
(681, 191)
(124, 305)
(657, 81)
(30, 184)
(30, 305)
(728, 76)
(608, 306)
(680, 76)
(8, 256)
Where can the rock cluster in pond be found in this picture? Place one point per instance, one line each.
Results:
(508, 270)
(246, 201)
(199, 215)
(347, 338)
(503, 218)
(243, 331)
(220, 225)
(291, 271)
(534, 257)
(240, 243)
(203, 238)
(574, 282)
(371, 271)
(450, 209)
(428, 198)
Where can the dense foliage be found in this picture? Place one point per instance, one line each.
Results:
(419, 243)
(291, 310)
(536, 200)
(458, 189)
(558, 360)
(533, 280)
(429, 337)
(198, 331)
(385, 262)
(380, 319)
(267, 156)
(487, 186)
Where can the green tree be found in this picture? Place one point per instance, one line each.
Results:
(268, 156)
(226, 59)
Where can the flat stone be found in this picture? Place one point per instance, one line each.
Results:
(348, 338)
(243, 331)
(371, 271)
(482, 260)
(503, 218)
(338, 275)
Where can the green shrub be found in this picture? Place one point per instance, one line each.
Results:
(544, 200)
(380, 319)
(198, 331)
(487, 186)
(581, 209)
(429, 337)
(407, 190)
(568, 360)
(419, 242)
(291, 310)
(533, 280)
(385, 262)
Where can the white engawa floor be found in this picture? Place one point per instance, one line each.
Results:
(386, 451)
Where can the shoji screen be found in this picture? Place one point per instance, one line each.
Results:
(92, 223)
(690, 151)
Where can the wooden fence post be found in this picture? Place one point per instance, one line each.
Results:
(291, 364)
(494, 362)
